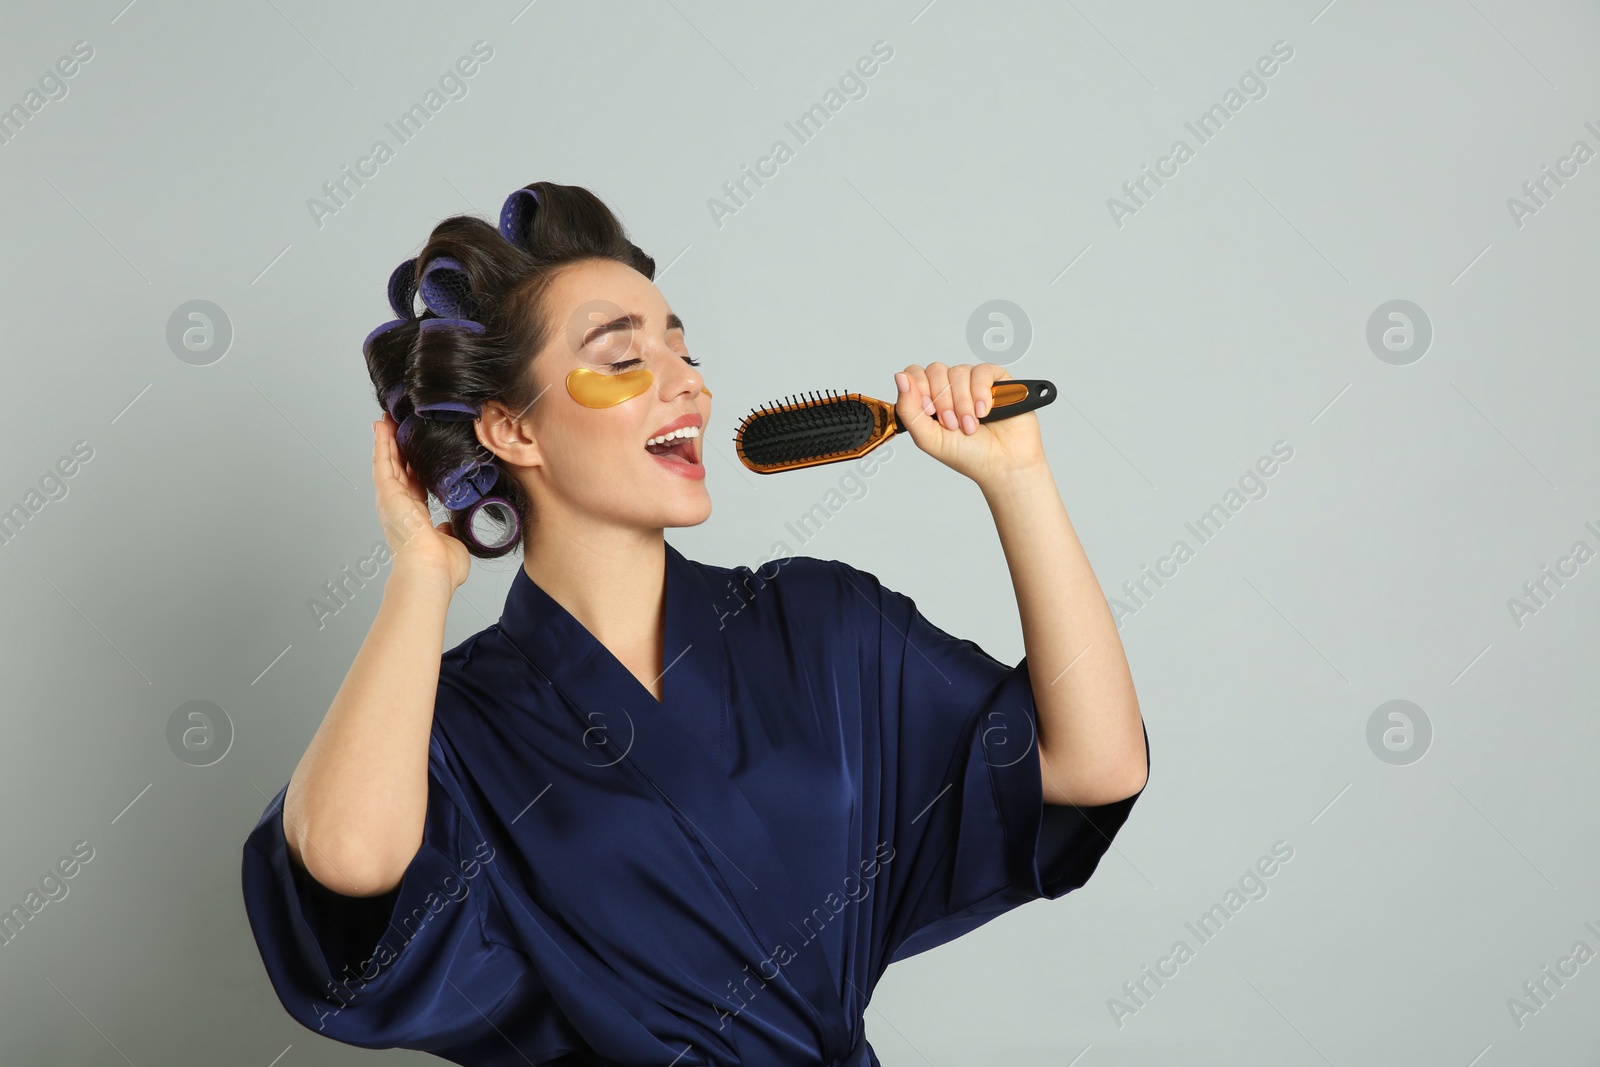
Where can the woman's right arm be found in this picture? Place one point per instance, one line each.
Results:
(353, 813)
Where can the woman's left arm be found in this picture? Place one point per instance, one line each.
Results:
(1091, 735)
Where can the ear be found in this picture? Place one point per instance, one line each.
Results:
(507, 436)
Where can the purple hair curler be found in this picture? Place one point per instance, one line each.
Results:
(383, 329)
(429, 325)
(446, 289)
(391, 399)
(403, 289)
(489, 501)
(447, 410)
(515, 214)
(403, 432)
(464, 485)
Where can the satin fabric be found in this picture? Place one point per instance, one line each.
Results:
(831, 783)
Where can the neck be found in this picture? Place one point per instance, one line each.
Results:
(611, 578)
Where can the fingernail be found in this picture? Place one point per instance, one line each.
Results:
(983, 408)
(969, 423)
(901, 382)
(949, 419)
(927, 405)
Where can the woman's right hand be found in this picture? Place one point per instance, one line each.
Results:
(414, 542)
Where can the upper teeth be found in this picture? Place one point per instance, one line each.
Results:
(684, 431)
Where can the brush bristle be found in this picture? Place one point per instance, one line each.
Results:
(808, 428)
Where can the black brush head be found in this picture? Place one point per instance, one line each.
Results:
(808, 428)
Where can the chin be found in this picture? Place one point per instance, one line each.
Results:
(690, 515)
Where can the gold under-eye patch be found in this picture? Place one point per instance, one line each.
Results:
(595, 390)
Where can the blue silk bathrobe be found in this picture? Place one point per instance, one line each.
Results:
(830, 784)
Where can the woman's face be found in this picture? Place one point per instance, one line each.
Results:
(592, 462)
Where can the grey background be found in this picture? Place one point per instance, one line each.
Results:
(1229, 313)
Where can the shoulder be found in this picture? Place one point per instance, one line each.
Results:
(484, 676)
(787, 568)
(792, 588)
(484, 644)
(484, 683)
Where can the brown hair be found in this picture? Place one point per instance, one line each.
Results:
(506, 280)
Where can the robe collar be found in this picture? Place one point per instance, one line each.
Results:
(568, 655)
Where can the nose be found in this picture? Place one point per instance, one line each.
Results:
(676, 376)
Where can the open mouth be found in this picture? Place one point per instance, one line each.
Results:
(680, 446)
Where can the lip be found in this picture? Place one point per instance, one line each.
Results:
(694, 471)
(691, 419)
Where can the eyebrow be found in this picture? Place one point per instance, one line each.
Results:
(629, 321)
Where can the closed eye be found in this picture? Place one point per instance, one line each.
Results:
(623, 364)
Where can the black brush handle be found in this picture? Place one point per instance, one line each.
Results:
(1040, 393)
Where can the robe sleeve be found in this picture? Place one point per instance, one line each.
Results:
(414, 968)
(960, 792)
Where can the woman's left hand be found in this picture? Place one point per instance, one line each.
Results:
(938, 404)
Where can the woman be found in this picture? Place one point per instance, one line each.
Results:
(662, 812)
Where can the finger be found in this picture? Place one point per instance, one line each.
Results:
(413, 482)
(383, 470)
(909, 407)
(983, 378)
(920, 403)
(394, 471)
(905, 391)
(917, 399)
(405, 474)
(394, 476)
(377, 451)
(939, 386)
(961, 397)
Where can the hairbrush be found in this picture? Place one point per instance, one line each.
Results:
(806, 431)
